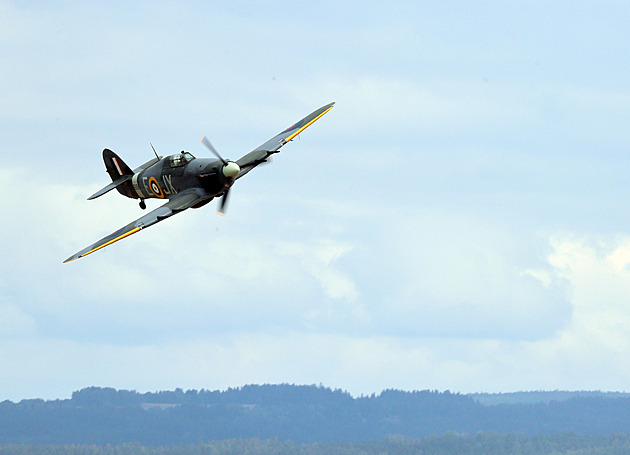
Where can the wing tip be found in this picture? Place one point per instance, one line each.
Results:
(303, 124)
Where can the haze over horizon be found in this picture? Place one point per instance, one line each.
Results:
(458, 221)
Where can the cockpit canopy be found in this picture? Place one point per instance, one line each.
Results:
(180, 159)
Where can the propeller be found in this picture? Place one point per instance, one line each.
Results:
(205, 141)
(230, 170)
(224, 200)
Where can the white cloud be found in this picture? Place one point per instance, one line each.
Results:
(599, 274)
(456, 275)
(318, 258)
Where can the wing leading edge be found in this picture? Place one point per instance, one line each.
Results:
(261, 153)
(177, 204)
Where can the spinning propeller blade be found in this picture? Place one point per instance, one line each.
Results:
(205, 141)
(224, 202)
(230, 171)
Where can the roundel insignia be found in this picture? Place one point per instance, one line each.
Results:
(155, 188)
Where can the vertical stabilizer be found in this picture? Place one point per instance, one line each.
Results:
(117, 170)
(116, 167)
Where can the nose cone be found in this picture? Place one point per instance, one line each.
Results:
(231, 169)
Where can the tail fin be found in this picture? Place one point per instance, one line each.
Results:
(116, 167)
(120, 173)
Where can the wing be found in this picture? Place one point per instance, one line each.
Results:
(261, 153)
(178, 203)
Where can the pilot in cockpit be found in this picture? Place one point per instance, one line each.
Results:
(178, 160)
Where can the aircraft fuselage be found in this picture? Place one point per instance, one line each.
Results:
(174, 174)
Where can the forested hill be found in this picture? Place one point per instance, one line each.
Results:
(301, 414)
(541, 396)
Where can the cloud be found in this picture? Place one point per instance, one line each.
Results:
(588, 350)
(591, 350)
(599, 272)
(318, 260)
(455, 275)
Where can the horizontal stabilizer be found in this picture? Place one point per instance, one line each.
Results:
(111, 186)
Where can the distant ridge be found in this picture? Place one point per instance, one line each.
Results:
(300, 413)
(535, 397)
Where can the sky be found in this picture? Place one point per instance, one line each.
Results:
(458, 221)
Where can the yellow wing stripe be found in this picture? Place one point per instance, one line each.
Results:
(307, 125)
(120, 237)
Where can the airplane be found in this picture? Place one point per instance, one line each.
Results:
(186, 181)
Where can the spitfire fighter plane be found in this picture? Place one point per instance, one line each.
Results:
(186, 181)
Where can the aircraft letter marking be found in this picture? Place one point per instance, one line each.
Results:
(169, 188)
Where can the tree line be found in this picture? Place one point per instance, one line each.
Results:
(301, 414)
(447, 444)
